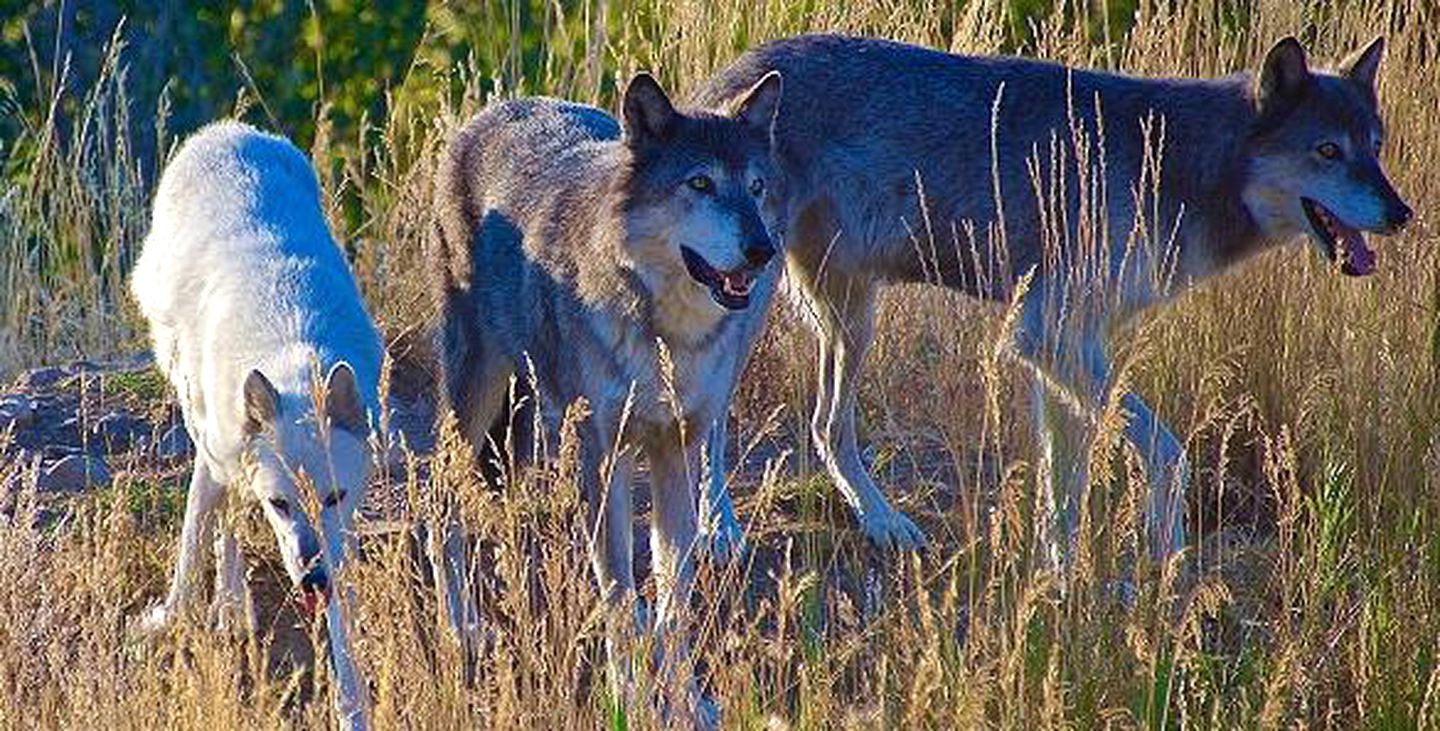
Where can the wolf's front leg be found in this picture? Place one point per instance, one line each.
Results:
(1080, 370)
(1060, 474)
(200, 502)
(1166, 467)
(351, 698)
(607, 479)
(673, 545)
(231, 610)
(1168, 470)
(720, 531)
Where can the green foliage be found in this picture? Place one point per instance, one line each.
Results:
(148, 386)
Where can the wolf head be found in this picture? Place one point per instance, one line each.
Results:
(290, 448)
(1314, 165)
(696, 186)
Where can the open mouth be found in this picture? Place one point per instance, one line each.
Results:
(312, 602)
(1341, 241)
(731, 289)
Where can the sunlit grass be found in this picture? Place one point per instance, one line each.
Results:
(1308, 401)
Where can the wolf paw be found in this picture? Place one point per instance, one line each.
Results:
(890, 528)
(155, 620)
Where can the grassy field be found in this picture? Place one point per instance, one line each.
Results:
(1309, 402)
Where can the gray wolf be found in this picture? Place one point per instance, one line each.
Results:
(879, 140)
(568, 248)
(249, 302)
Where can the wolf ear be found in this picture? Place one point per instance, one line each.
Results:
(1283, 77)
(262, 403)
(1363, 66)
(343, 405)
(647, 110)
(760, 105)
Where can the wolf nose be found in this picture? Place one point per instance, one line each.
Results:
(759, 253)
(1400, 215)
(315, 581)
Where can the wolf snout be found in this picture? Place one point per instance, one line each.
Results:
(314, 589)
(1399, 215)
(759, 252)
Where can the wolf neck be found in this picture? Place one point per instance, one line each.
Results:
(1204, 170)
(671, 306)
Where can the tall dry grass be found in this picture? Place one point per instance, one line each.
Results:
(1308, 401)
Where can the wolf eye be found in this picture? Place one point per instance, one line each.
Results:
(757, 187)
(701, 183)
(1328, 150)
(281, 505)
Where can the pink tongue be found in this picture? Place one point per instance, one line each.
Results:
(1359, 259)
(311, 602)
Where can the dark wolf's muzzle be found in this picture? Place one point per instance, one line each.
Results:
(1398, 214)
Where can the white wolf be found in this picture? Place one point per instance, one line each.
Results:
(248, 298)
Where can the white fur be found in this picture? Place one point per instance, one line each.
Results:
(239, 273)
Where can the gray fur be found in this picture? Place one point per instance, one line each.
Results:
(558, 250)
(866, 119)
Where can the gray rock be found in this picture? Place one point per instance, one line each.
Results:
(16, 413)
(75, 473)
(174, 443)
(43, 379)
(118, 431)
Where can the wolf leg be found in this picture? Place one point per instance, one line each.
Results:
(351, 697)
(1168, 471)
(1052, 524)
(612, 551)
(200, 501)
(846, 319)
(1167, 468)
(477, 382)
(672, 550)
(720, 532)
(351, 701)
(231, 609)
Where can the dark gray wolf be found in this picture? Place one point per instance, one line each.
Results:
(572, 251)
(1116, 191)
(247, 295)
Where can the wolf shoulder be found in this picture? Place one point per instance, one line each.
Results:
(519, 189)
(229, 183)
(239, 244)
